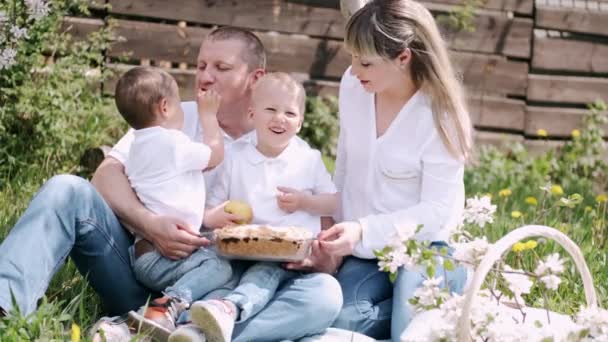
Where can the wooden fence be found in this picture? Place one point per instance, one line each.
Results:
(527, 65)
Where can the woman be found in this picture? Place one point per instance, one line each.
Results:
(404, 137)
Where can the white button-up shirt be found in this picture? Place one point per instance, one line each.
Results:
(165, 169)
(406, 176)
(249, 176)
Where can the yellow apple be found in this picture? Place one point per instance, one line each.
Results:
(240, 209)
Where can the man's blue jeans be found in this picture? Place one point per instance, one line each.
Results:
(374, 306)
(68, 217)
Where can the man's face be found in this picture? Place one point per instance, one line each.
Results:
(220, 67)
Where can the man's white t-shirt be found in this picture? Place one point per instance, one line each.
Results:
(165, 169)
(249, 176)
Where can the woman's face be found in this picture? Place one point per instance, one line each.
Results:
(377, 74)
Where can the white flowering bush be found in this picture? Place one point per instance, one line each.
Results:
(503, 310)
(47, 90)
(51, 110)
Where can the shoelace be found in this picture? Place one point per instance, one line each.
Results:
(175, 307)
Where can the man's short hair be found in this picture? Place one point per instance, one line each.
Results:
(290, 83)
(254, 53)
(139, 90)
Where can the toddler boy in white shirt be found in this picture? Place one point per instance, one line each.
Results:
(165, 169)
(286, 184)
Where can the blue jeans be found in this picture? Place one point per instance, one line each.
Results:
(304, 305)
(375, 307)
(257, 286)
(68, 217)
(189, 279)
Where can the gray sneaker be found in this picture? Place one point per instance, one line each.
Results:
(215, 318)
(113, 329)
(187, 333)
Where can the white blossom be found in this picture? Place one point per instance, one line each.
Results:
(552, 264)
(37, 8)
(7, 58)
(479, 211)
(395, 259)
(551, 281)
(19, 32)
(430, 294)
(518, 283)
(3, 17)
(471, 253)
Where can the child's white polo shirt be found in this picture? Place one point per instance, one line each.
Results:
(249, 176)
(164, 167)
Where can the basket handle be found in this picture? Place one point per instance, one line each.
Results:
(504, 244)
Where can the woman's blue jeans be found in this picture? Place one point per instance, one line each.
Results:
(374, 306)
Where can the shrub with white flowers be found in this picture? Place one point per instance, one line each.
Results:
(508, 291)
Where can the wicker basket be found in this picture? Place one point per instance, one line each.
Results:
(419, 328)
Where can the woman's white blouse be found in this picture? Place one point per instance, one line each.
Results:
(406, 176)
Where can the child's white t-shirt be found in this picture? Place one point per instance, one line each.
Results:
(165, 169)
(249, 176)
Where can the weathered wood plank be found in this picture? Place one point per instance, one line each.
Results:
(570, 55)
(290, 53)
(500, 140)
(80, 28)
(567, 89)
(518, 6)
(491, 74)
(572, 19)
(267, 15)
(495, 34)
(496, 112)
(295, 53)
(558, 122)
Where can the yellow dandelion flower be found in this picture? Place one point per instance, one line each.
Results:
(516, 214)
(588, 209)
(557, 190)
(531, 200)
(601, 198)
(75, 333)
(576, 133)
(518, 247)
(531, 244)
(541, 132)
(505, 193)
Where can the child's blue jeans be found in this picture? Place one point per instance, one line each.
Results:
(257, 287)
(189, 279)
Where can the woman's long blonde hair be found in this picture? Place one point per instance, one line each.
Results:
(386, 28)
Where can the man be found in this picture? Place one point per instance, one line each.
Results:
(85, 220)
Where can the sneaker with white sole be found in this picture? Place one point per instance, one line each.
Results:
(188, 332)
(215, 318)
(113, 329)
(158, 318)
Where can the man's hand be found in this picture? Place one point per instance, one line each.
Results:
(173, 238)
(318, 261)
(290, 200)
(217, 217)
(208, 102)
(341, 239)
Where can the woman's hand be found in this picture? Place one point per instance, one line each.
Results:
(318, 261)
(341, 239)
